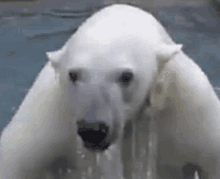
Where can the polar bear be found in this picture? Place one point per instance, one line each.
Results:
(101, 78)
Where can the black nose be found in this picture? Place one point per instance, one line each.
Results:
(94, 134)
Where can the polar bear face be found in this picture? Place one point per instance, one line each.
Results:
(106, 73)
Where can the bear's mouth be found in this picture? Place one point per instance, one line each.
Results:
(94, 140)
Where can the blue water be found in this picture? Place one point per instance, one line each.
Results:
(26, 37)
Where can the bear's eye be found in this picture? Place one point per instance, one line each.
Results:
(126, 78)
(73, 76)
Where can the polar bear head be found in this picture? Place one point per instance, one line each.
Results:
(107, 69)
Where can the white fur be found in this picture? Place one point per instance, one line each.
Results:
(188, 118)
(188, 114)
(115, 39)
(36, 135)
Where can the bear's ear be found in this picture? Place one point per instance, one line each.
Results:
(166, 52)
(56, 56)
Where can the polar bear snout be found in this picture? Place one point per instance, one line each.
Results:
(94, 135)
